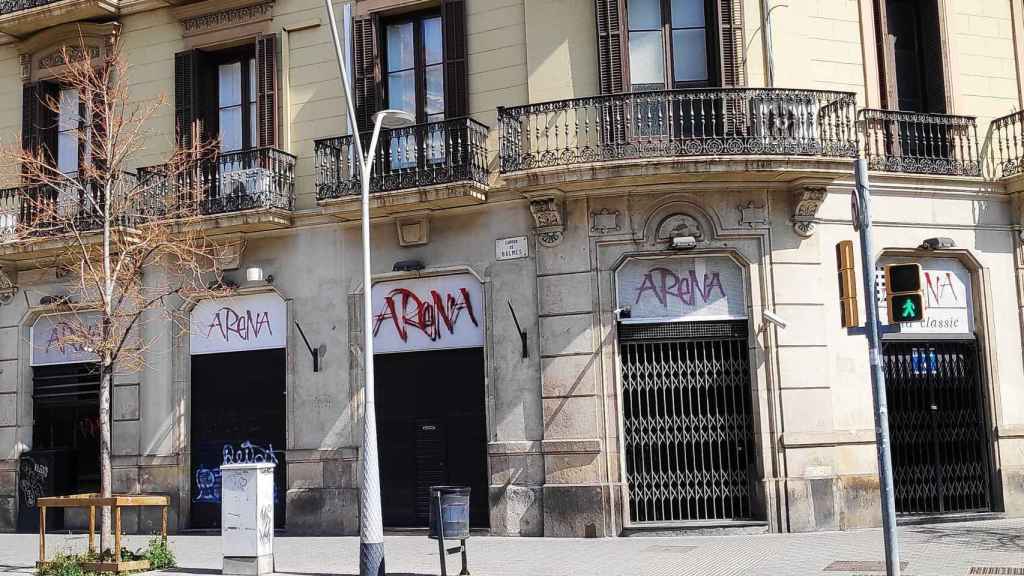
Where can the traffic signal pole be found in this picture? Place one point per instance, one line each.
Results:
(862, 217)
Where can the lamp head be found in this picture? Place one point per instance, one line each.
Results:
(392, 118)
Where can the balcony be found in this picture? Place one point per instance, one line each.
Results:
(21, 18)
(38, 215)
(668, 125)
(250, 189)
(437, 164)
(1006, 145)
(918, 143)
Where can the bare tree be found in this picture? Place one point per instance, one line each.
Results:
(129, 240)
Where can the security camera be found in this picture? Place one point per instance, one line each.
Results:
(941, 243)
(773, 318)
(624, 313)
(684, 243)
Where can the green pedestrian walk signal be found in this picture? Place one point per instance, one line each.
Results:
(905, 297)
(907, 308)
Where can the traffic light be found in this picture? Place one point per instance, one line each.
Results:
(848, 309)
(905, 298)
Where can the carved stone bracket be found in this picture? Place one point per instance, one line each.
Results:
(806, 202)
(8, 290)
(548, 216)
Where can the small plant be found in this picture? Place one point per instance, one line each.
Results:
(62, 565)
(159, 554)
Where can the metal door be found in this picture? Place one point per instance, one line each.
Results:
(687, 425)
(937, 422)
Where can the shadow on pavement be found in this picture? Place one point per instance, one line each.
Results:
(992, 539)
(204, 571)
(279, 572)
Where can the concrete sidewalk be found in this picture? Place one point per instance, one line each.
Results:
(991, 547)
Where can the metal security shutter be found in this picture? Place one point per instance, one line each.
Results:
(687, 421)
(266, 90)
(936, 416)
(66, 383)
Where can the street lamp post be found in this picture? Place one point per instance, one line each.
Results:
(371, 529)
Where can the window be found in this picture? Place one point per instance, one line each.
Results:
(414, 80)
(414, 62)
(911, 55)
(236, 104)
(228, 94)
(68, 125)
(414, 66)
(668, 44)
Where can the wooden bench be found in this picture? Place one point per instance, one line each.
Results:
(92, 501)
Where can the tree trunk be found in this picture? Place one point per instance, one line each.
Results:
(106, 381)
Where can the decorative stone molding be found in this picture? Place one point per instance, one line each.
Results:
(604, 221)
(60, 56)
(549, 216)
(44, 54)
(806, 202)
(8, 290)
(753, 214)
(677, 225)
(210, 17)
(413, 230)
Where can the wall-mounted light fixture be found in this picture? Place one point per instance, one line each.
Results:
(254, 274)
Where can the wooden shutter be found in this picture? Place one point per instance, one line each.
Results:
(366, 71)
(886, 52)
(456, 81)
(190, 81)
(266, 89)
(611, 61)
(39, 120)
(730, 42)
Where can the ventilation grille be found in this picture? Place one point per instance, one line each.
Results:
(734, 329)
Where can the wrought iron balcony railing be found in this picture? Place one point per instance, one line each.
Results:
(918, 143)
(40, 210)
(444, 152)
(11, 6)
(1006, 145)
(678, 123)
(258, 178)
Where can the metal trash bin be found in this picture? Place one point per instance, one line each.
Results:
(449, 520)
(453, 504)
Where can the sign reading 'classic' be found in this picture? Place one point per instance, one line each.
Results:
(253, 322)
(433, 313)
(665, 289)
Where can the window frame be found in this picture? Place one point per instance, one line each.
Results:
(711, 40)
(246, 56)
(886, 59)
(416, 18)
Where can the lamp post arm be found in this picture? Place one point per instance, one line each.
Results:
(368, 162)
(347, 86)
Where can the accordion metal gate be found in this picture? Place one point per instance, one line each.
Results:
(937, 421)
(687, 425)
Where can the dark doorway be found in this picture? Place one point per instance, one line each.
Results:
(238, 410)
(65, 440)
(936, 415)
(431, 430)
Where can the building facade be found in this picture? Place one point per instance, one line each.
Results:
(605, 261)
